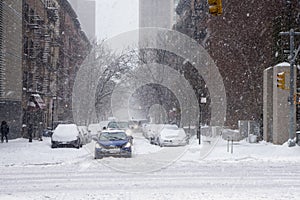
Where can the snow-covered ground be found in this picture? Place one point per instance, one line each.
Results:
(252, 171)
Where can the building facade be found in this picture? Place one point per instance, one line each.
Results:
(40, 62)
(76, 47)
(11, 65)
(243, 41)
(53, 48)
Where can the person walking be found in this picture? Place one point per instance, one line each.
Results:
(4, 129)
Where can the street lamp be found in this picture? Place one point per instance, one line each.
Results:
(52, 112)
(202, 102)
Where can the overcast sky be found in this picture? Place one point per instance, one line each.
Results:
(115, 17)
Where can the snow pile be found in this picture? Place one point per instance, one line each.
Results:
(20, 152)
(225, 151)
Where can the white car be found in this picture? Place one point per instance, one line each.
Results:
(170, 135)
(152, 130)
(94, 129)
(66, 135)
(104, 124)
(85, 134)
(137, 124)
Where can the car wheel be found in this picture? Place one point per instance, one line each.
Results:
(128, 156)
(53, 146)
(78, 144)
(160, 144)
(97, 156)
(151, 140)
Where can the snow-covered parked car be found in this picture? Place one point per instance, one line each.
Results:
(94, 129)
(85, 134)
(169, 135)
(113, 143)
(152, 130)
(104, 124)
(137, 124)
(66, 135)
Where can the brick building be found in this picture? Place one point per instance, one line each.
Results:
(11, 64)
(54, 47)
(76, 46)
(243, 42)
(40, 61)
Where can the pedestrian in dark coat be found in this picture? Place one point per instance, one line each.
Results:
(4, 129)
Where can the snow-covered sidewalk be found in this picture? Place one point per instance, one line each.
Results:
(20, 152)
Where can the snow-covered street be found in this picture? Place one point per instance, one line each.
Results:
(253, 171)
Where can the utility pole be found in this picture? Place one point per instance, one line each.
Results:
(292, 58)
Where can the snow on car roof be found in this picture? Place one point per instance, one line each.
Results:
(64, 132)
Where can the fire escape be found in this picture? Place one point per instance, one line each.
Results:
(35, 50)
(50, 58)
(41, 25)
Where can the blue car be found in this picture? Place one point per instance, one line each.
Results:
(113, 143)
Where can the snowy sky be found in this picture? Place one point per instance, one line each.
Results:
(115, 16)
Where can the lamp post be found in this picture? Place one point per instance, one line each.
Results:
(202, 102)
(292, 58)
(52, 112)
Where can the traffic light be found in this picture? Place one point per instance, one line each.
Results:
(281, 80)
(297, 100)
(215, 7)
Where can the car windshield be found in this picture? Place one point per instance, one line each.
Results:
(171, 127)
(113, 125)
(106, 136)
(118, 125)
(123, 125)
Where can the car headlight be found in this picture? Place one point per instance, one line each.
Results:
(98, 146)
(127, 145)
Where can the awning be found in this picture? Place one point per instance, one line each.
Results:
(36, 102)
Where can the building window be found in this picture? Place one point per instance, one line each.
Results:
(25, 46)
(31, 16)
(25, 79)
(30, 82)
(26, 12)
(31, 49)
